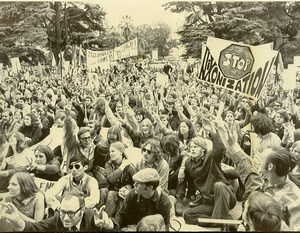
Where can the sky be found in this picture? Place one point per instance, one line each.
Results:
(141, 12)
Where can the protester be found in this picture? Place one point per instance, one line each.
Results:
(45, 166)
(151, 223)
(275, 166)
(72, 216)
(118, 173)
(28, 200)
(262, 213)
(77, 180)
(31, 129)
(145, 199)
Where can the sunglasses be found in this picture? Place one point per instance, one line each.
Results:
(71, 214)
(149, 152)
(77, 166)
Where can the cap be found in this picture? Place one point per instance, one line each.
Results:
(146, 175)
(83, 130)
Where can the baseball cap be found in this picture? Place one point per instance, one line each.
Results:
(146, 175)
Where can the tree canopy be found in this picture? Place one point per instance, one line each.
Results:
(28, 28)
(252, 23)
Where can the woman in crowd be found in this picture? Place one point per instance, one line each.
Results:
(18, 117)
(16, 161)
(141, 135)
(26, 196)
(31, 129)
(118, 173)
(45, 166)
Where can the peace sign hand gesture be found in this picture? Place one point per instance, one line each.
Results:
(101, 219)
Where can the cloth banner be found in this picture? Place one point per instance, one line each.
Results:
(43, 184)
(237, 67)
(94, 59)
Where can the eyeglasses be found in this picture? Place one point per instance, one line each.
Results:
(77, 166)
(149, 152)
(71, 214)
(85, 139)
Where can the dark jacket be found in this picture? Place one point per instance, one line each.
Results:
(136, 207)
(32, 132)
(54, 224)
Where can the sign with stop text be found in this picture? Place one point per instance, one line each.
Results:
(235, 66)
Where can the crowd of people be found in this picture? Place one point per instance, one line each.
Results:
(127, 151)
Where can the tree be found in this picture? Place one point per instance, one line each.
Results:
(154, 37)
(126, 26)
(52, 25)
(248, 22)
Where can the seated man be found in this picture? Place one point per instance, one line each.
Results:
(203, 174)
(72, 216)
(76, 180)
(147, 198)
(275, 167)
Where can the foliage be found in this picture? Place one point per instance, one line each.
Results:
(154, 37)
(248, 22)
(48, 25)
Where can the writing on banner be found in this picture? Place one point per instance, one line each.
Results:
(43, 184)
(235, 68)
(103, 58)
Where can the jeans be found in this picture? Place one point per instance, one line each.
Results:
(224, 200)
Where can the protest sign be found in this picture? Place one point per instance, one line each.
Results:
(43, 184)
(15, 64)
(235, 66)
(102, 59)
(155, 55)
(134, 155)
(161, 79)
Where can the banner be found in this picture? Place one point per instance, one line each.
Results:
(43, 184)
(235, 66)
(94, 59)
(155, 55)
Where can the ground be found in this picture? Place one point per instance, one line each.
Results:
(235, 213)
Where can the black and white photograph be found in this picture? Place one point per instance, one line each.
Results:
(149, 115)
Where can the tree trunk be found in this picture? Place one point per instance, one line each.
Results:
(58, 38)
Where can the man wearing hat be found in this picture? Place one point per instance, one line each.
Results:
(145, 199)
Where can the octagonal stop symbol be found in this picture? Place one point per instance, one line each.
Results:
(236, 61)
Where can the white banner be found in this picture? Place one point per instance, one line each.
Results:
(43, 184)
(94, 59)
(155, 55)
(237, 67)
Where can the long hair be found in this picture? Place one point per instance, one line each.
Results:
(191, 132)
(262, 124)
(47, 151)
(170, 145)
(21, 141)
(155, 147)
(28, 188)
(150, 127)
(116, 130)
